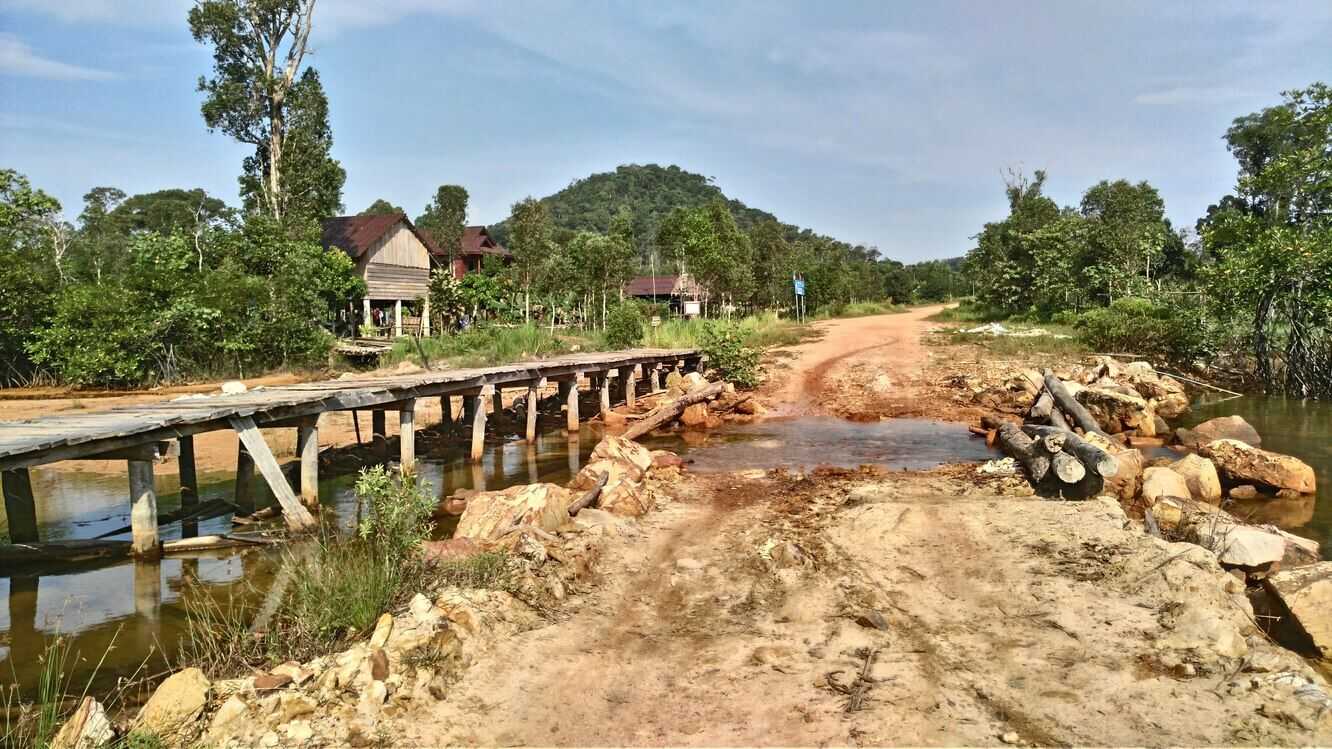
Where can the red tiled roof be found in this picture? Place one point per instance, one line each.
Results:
(645, 285)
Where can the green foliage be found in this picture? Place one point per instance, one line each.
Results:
(28, 271)
(1139, 326)
(400, 510)
(445, 217)
(624, 326)
(447, 304)
(381, 207)
(484, 345)
(492, 570)
(728, 353)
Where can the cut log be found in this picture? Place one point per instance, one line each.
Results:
(665, 414)
(1075, 410)
(590, 496)
(1069, 469)
(1096, 460)
(1019, 446)
(202, 543)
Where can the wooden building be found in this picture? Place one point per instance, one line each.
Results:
(672, 291)
(394, 260)
(475, 247)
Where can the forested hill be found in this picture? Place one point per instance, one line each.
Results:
(649, 191)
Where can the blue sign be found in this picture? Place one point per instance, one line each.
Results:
(799, 286)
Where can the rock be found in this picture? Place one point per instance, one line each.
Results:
(299, 731)
(1117, 412)
(1200, 475)
(1201, 631)
(1165, 393)
(694, 380)
(383, 628)
(1242, 463)
(233, 387)
(1010, 737)
(614, 420)
(1162, 482)
(1126, 483)
(751, 407)
(227, 718)
(294, 704)
(1220, 428)
(379, 665)
(372, 698)
(423, 611)
(666, 459)
(872, 619)
(633, 457)
(1306, 595)
(1168, 513)
(695, 415)
(1239, 545)
(1162, 427)
(1243, 491)
(625, 498)
(453, 548)
(175, 705)
(87, 728)
(299, 675)
(489, 514)
(271, 681)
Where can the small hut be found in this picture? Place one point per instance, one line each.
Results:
(393, 258)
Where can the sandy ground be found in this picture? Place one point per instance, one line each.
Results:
(1004, 619)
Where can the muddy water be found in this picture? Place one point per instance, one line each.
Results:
(1299, 428)
(135, 613)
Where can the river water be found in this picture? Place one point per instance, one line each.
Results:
(134, 613)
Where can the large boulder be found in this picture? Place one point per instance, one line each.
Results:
(1306, 596)
(490, 514)
(1200, 475)
(696, 415)
(1242, 463)
(1117, 412)
(635, 458)
(175, 706)
(1165, 393)
(1235, 545)
(1128, 480)
(1159, 482)
(1220, 428)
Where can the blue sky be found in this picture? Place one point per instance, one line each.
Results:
(883, 122)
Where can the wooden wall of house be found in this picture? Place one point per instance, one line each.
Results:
(396, 267)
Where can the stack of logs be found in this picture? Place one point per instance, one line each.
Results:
(1052, 447)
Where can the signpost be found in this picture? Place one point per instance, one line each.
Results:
(799, 284)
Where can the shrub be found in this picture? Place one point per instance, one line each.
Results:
(728, 352)
(624, 326)
(1140, 326)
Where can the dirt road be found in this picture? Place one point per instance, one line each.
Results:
(905, 609)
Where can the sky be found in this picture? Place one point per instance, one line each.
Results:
(883, 123)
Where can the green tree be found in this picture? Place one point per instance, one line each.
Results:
(445, 217)
(258, 47)
(28, 277)
(531, 244)
(382, 207)
(1126, 236)
(101, 233)
(771, 261)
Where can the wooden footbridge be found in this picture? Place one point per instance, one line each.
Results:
(143, 434)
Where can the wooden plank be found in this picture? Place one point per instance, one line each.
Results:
(143, 509)
(298, 518)
(20, 508)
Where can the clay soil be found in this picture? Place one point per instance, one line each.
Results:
(872, 608)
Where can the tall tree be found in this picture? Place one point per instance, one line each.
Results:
(382, 207)
(101, 230)
(771, 263)
(1126, 235)
(445, 217)
(258, 48)
(27, 270)
(530, 242)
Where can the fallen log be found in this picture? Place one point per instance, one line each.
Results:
(63, 551)
(1075, 410)
(1019, 446)
(203, 543)
(1044, 411)
(1096, 460)
(665, 414)
(729, 406)
(1067, 468)
(590, 496)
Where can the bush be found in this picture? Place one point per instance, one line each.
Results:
(1140, 326)
(727, 349)
(624, 326)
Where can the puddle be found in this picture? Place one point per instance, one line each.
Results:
(140, 608)
(813, 441)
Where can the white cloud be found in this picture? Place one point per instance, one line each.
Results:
(17, 58)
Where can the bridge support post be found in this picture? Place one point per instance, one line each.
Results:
(533, 405)
(189, 485)
(244, 480)
(497, 403)
(603, 385)
(143, 510)
(569, 394)
(298, 518)
(307, 447)
(407, 435)
(20, 509)
(629, 380)
(379, 433)
(446, 407)
(477, 404)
